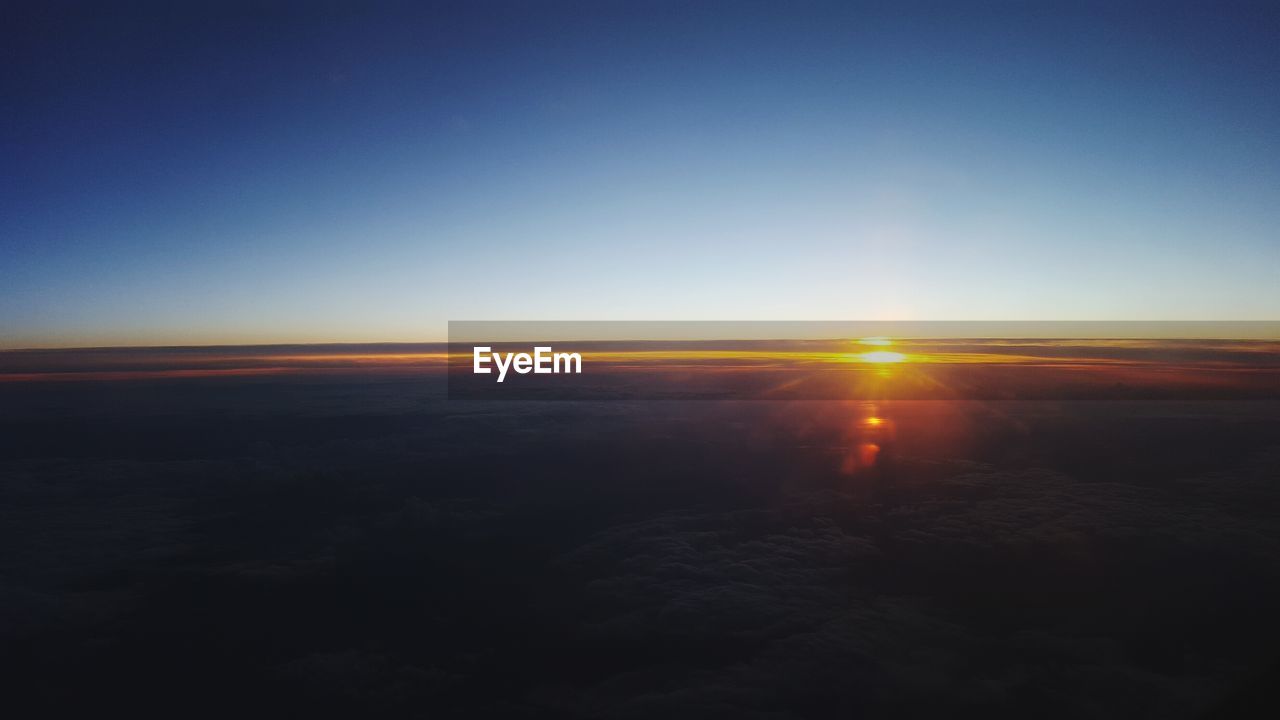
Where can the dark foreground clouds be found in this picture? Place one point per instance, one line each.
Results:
(1002, 592)
(371, 550)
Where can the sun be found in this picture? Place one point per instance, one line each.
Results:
(882, 356)
(878, 356)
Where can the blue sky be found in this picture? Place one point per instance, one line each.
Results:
(225, 174)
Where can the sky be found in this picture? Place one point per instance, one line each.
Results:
(208, 173)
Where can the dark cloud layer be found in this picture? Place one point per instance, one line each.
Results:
(400, 556)
(1000, 593)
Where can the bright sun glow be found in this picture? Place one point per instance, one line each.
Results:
(882, 356)
(875, 341)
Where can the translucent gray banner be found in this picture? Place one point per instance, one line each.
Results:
(596, 360)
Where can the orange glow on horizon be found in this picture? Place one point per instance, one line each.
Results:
(909, 364)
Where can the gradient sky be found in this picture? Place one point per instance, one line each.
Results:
(317, 172)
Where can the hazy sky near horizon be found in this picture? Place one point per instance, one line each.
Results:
(210, 172)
